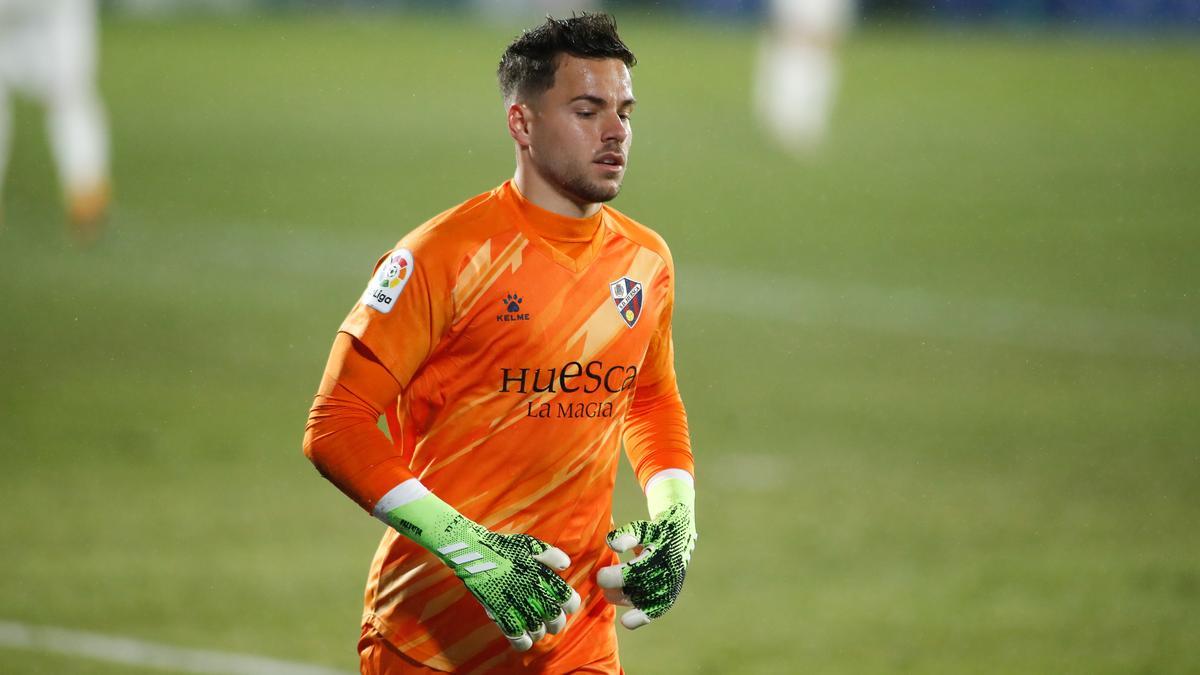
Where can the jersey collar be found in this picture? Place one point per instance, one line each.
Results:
(546, 228)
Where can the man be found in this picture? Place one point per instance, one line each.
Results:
(48, 52)
(513, 342)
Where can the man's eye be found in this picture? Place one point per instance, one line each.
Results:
(624, 116)
(585, 113)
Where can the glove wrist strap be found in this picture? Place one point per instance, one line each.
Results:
(669, 487)
(415, 512)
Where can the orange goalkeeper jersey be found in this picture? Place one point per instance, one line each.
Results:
(526, 346)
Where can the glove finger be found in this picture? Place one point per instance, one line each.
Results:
(623, 541)
(533, 544)
(521, 642)
(520, 617)
(634, 619)
(646, 553)
(538, 634)
(627, 536)
(540, 609)
(617, 597)
(554, 558)
(554, 587)
(554, 626)
(572, 604)
(612, 577)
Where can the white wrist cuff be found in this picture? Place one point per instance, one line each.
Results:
(665, 474)
(409, 491)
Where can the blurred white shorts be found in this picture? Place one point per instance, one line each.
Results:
(47, 46)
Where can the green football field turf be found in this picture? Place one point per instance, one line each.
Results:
(943, 377)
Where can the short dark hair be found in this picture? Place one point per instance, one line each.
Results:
(527, 66)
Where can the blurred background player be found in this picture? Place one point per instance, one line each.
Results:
(797, 70)
(48, 53)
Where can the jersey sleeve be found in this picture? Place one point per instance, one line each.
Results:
(389, 333)
(656, 430)
(405, 309)
(342, 438)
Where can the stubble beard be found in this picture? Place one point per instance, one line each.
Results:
(573, 181)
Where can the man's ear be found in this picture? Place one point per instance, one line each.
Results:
(519, 118)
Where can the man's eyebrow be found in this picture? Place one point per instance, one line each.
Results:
(596, 100)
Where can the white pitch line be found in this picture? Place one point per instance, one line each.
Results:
(921, 314)
(132, 652)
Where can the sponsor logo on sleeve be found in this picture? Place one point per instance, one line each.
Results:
(389, 280)
(627, 296)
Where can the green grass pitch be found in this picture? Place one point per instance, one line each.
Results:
(943, 378)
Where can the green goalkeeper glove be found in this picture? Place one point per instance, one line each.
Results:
(512, 575)
(651, 582)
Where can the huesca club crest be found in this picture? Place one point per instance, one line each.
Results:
(627, 296)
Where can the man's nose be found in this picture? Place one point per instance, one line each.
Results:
(615, 128)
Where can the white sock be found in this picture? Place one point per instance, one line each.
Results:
(79, 140)
(796, 87)
(75, 118)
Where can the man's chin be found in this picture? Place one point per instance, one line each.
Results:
(596, 192)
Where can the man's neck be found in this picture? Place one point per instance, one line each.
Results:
(537, 190)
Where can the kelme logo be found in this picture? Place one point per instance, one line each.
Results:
(512, 309)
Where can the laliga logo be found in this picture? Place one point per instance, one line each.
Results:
(395, 272)
(389, 280)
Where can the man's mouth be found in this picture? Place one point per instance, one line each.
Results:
(611, 159)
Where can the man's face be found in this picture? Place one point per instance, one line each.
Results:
(580, 136)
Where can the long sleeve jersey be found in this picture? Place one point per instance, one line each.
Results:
(512, 350)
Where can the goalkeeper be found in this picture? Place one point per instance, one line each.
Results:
(513, 343)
